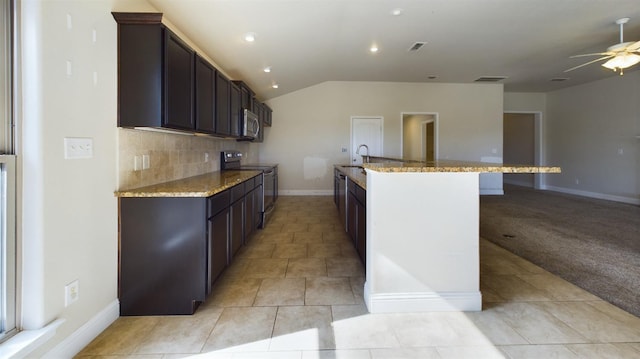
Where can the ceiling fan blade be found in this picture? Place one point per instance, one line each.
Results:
(593, 54)
(589, 63)
(634, 47)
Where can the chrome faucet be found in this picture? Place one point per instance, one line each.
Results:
(364, 158)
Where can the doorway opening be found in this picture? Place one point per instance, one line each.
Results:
(522, 145)
(419, 136)
(366, 137)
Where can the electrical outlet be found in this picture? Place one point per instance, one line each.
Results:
(145, 162)
(75, 148)
(71, 293)
(206, 156)
(577, 181)
(621, 151)
(344, 149)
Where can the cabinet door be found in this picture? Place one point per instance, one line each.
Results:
(237, 227)
(249, 224)
(205, 105)
(361, 236)
(223, 123)
(139, 75)
(258, 203)
(178, 86)
(236, 110)
(218, 239)
(352, 217)
(267, 115)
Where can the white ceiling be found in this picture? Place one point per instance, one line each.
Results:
(307, 42)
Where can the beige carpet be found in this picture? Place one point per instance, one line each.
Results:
(594, 244)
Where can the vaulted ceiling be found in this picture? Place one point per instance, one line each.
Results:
(306, 42)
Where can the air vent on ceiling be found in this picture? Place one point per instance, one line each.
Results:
(490, 78)
(559, 79)
(416, 46)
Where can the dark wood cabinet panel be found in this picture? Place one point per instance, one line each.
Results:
(267, 115)
(178, 85)
(140, 75)
(235, 110)
(205, 106)
(246, 95)
(218, 241)
(223, 101)
(158, 277)
(237, 227)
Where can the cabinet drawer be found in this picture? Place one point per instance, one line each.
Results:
(249, 185)
(217, 203)
(237, 192)
(258, 180)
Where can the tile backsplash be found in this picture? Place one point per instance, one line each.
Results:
(171, 156)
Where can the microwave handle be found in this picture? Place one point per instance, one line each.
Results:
(258, 131)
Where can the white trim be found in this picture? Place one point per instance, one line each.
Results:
(306, 192)
(423, 302)
(609, 197)
(493, 192)
(23, 343)
(79, 339)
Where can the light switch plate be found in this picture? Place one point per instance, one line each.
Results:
(76, 148)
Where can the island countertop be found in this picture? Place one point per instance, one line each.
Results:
(205, 185)
(398, 165)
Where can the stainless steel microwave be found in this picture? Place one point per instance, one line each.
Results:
(250, 125)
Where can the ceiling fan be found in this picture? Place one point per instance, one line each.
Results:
(620, 56)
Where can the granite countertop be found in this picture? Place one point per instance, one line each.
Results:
(198, 186)
(355, 173)
(397, 165)
(394, 165)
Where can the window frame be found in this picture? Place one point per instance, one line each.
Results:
(8, 242)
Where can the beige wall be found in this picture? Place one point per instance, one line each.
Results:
(592, 134)
(67, 211)
(313, 124)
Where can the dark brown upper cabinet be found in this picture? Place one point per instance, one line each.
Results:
(155, 74)
(223, 105)
(205, 96)
(236, 110)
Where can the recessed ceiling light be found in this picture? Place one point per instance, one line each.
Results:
(250, 37)
(396, 12)
(275, 86)
(267, 69)
(373, 49)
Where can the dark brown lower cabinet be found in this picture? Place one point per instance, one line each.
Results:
(218, 234)
(357, 218)
(237, 227)
(163, 255)
(173, 249)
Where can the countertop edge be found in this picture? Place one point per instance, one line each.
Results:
(200, 186)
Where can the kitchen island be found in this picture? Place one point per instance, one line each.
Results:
(422, 233)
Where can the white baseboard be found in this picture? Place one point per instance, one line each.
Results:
(79, 339)
(306, 192)
(423, 302)
(491, 191)
(609, 197)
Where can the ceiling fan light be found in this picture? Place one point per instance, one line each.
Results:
(622, 61)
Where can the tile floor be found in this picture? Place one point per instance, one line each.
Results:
(295, 291)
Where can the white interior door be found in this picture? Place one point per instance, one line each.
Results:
(366, 131)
